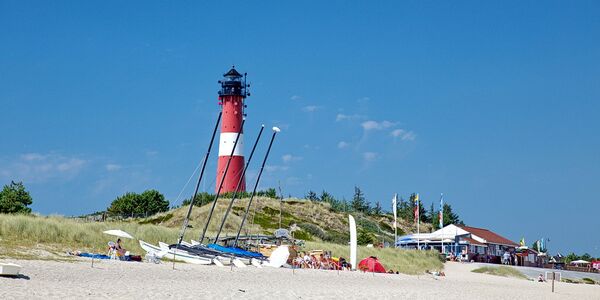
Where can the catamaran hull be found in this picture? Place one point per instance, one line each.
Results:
(182, 255)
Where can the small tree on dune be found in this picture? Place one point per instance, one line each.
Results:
(15, 199)
(405, 209)
(450, 217)
(271, 193)
(377, 209)
(148, 203)
(434, 217)
(151, 202)
(312, 196)
(326, 197)
(359, 204)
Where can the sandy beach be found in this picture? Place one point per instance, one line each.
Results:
(123, 280)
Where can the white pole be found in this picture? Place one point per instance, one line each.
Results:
(418, 214)
(395, 208)
(442, 218)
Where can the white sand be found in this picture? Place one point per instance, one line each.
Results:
(128, 280)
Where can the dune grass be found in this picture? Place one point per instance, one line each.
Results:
(25, 236)
(503, 271)
(404, 261)
(40, 237)
(588, 280)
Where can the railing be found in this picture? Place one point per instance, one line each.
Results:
(112, 217)
(580, 269)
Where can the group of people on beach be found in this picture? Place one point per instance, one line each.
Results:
(509, 259)
(305, 260)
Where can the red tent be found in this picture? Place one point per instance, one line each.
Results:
(371, 264)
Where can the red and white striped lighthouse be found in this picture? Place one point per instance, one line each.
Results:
(231, 99)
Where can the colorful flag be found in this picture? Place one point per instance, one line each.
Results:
(441, 211)
(522, 242)
(416, 207)
(395, 207)
(542, 245)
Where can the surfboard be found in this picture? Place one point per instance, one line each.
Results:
(279, 256)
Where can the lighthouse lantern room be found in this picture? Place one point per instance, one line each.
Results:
(231, 99)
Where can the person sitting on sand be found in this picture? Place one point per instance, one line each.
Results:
(120, 250)
(297, 262)
(314, 262)
(343, 263)
(306, 262)
(541, 278)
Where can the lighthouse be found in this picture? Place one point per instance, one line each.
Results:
(231, 99)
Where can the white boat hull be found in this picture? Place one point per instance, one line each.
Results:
(8, 269)
(187, 257)
(149, 248)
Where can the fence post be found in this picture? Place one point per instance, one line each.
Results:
(553, 276)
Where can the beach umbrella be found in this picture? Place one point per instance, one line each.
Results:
(119, 233)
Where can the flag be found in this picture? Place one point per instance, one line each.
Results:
(542, 245)
(522, 242)
(395, 207)
(441, 211)
(416, 207)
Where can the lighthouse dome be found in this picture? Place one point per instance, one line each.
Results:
(233, 73)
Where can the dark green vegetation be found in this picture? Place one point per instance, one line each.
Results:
(15, 199)
(147, 203)
(586, 256)
(405, 208)
(204, 197)
(588, 280)
(49, 238)
(320, 218)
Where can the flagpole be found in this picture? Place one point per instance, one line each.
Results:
(395, 208)
(418, 208)
(442, 218)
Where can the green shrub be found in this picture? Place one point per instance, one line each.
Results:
(588, 280)
(501, 271)
(364, 237)
(314, 230)
(302, 235)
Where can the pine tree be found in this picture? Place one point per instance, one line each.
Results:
(312, 196)
(377, 209)
(450, 217)
(15, 199)
(326, 197)
(431, 218)
(405, 210)
(422, 211)
(359, 204)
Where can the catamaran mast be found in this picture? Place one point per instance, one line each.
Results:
(239, 184)
(275, 131)
(189, 212)
(212, 208)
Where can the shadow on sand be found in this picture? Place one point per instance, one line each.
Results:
(20, 276)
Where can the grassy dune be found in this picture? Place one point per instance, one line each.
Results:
(294, 211)
(20, 234)
(404, 261)
(501, 271)
(38, 237)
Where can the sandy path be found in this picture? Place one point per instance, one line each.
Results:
(123, 280)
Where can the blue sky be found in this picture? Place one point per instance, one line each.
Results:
(493, 104)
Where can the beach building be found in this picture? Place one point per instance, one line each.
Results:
(468, 243)
(529, 257)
